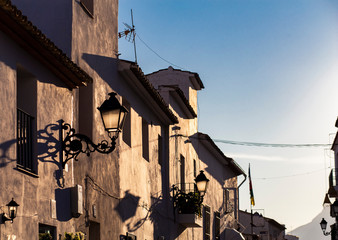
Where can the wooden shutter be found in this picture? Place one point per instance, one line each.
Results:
(217, 225)
(206, 223)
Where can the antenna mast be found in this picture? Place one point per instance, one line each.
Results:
(134, 33)
(129, 33)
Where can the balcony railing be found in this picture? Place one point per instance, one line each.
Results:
(25, 140)
(188, 203)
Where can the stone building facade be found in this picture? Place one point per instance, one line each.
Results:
(58, 63)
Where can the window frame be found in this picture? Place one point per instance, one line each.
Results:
(145, 139)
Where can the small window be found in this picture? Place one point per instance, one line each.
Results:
(206, 223)
(182, 172)
(229, 200)
(145, 139)
(47, 232)
(126, 132)
(217, 225)
(26, 122)
(195, 170)
(88, 6)
(160, 150)
(94, 230)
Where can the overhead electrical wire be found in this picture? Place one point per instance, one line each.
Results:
(158, 55)
(257, 144)
(279, 145)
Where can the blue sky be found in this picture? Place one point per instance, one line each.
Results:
(270, 70)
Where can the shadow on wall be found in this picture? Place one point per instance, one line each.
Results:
(48, 149)
(127, 209)
(4, 153)
(206, 156)
(63, 207)
(107, 69)
(127, 206)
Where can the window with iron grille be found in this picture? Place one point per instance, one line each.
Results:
(25, 141)
(26, 123)
(217, 225)
(206, 223)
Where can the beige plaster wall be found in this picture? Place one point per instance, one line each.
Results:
(54, 102)
(220, 175)
(94, 44)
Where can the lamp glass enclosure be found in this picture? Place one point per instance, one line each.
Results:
(323, 224)
(12, 208)
(201, 183)
(113, 114)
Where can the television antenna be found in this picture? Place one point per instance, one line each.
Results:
(129, 33)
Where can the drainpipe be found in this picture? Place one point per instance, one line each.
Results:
(237, 215)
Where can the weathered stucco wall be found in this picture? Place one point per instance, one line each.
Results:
(94, 41)
(184, 142)
(53, 102)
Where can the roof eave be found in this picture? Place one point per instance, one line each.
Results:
(30, 38)
(226, 160)
(133, 73)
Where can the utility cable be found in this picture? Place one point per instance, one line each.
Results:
(256, 144)
(157, 53)
(283, 145)
(100, 189)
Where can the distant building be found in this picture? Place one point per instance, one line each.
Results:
(263, 228)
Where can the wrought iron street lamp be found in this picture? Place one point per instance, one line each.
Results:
(113, 115)
(12, 210)
(323, 225)
(202, 183)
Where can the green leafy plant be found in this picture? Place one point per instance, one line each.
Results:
(189, 203)
(45, 236)
(74, 236)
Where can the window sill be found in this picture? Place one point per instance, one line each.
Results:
(23, 170)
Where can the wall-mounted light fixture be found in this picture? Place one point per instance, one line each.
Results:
(113, 115)
(323, 225)
(12, 210)
(202, 183)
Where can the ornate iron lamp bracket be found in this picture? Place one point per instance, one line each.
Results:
(75, 143)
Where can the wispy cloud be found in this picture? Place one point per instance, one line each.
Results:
(274, 158)
(256, 157)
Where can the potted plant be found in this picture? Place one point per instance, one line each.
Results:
(45, 236)
(189, 203)
(74, 236)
